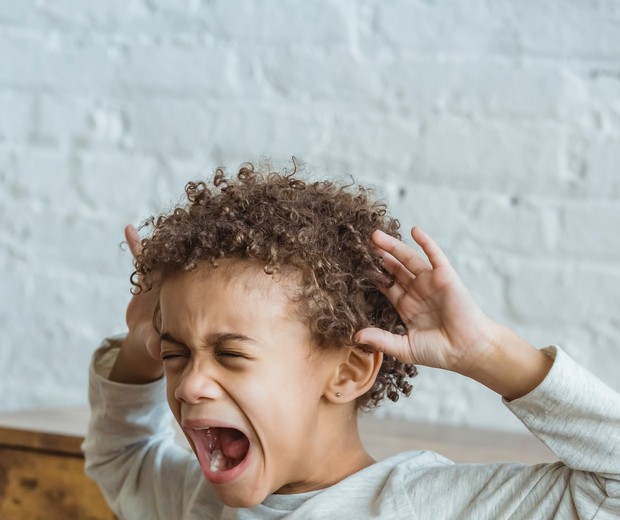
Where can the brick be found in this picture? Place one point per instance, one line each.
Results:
(16, 116)
(113, 67)
(577, 29)
(65, 346)
(167, 124)
(170, 20)
(497, 154)
(197, 70)
(564, 293)
(363, 135)
(8, 173)
(114, 16)
(586, 342)
(588, 233)
(31, 62)
(598, 176)
(485, 282)
(16, 12)
(330, 22)
(514, 224)
(137, 179)
(83, 121)
(601, 81)
(414, 203)
(43, 179)
(273, 131)
(603, 345)
(431, 28)
(425, 86)
(423, 405)
(62, 119)
(306, 75)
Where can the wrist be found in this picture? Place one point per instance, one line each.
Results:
(134, 365)
(509, 365)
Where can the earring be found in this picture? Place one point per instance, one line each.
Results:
(338, 394)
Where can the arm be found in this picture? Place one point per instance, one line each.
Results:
(129, 448)
(567, 408)
(576, 416)
(138, 362)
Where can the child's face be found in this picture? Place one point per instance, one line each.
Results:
(238, 359)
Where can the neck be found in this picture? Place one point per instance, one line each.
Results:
(339, 453)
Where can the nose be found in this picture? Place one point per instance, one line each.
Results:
(197, 383)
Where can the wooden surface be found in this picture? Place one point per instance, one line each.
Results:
(42, 472)
(35, 485)
(41, 465)
(42, 441)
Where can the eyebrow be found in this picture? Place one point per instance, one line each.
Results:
(213, 339)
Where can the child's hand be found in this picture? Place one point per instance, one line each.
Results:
(446, 328)
(138, 361)
(141, 307)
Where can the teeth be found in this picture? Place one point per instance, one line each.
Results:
(216, 460)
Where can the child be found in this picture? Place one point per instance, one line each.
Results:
(278, 310)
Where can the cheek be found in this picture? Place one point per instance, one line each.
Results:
(173, 403)
(283, 387)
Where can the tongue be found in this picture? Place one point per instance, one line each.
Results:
(235, 444)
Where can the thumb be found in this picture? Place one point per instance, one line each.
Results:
(386, 342)
(133, 239)
(153, 345)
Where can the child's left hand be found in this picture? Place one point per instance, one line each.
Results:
(446, 328)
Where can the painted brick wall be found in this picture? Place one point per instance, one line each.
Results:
(495, 124)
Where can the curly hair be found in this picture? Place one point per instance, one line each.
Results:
(320, 230)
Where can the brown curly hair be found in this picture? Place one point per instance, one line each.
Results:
(320, 230)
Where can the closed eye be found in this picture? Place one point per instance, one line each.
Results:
(229, 354)
(172, 355)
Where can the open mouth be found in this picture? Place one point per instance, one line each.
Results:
(220, 449)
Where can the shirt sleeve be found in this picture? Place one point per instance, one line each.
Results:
(578, 418)
(130, 448)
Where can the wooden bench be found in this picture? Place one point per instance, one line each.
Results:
(41, 465)
(42, 468)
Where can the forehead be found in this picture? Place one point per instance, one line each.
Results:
(234, 298)
(233, 282)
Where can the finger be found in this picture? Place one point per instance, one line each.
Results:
(434, 253)
(401, 251)
(153, 346)
(398, 270)
(386, 342)
(133, 240)
(393, 293)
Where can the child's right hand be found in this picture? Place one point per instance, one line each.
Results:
(139, 316)
(138, 360)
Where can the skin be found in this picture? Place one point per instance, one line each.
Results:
(320, 443)
(271, 384)
(276, 386)
(446, 327)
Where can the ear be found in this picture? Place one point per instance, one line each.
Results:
(354, 376)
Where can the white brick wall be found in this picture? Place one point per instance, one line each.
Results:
(495, 124)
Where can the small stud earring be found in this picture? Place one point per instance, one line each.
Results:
(338, 394)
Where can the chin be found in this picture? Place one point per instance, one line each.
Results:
(240, 499)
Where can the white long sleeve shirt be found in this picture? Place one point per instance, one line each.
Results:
(131, 452)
